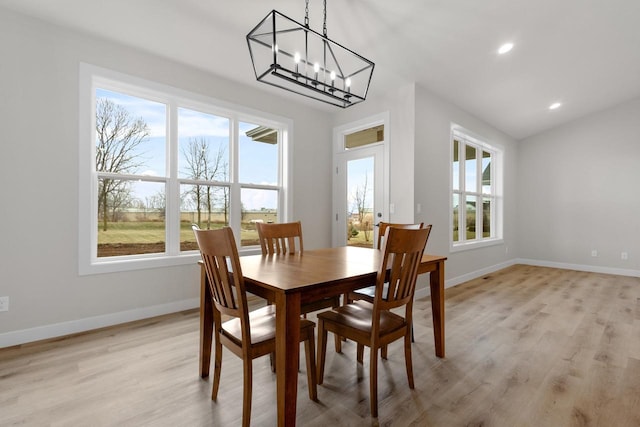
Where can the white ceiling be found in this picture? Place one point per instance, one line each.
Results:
(583, 53)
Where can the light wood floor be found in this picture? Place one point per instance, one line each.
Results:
(526, 346)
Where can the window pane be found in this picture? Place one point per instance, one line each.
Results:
(470, 169)
(360, 188)
(204, 205)
(486, 217)
(258, 153)
(203, 146)
(131, 217)
(130, 134)
(471, 203)
(257, 206)
(456, 210)
(456, 165)
(364, 137)
(486, 172)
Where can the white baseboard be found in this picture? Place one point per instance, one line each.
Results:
(425, 291)
(23, 336)
(580, 267)
(82, 325)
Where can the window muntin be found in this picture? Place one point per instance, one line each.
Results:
(474, 209)
(153, 202)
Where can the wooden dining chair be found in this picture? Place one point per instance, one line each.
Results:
(286, 238)
(368, 293)
(248, 335)
(375, 325)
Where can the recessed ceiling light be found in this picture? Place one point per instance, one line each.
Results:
(554, 106)
(505, 48)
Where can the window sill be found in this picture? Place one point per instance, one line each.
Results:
(143, 262)
(467, 246)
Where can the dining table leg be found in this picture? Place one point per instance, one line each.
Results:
(287, 355)
(436, 282)
(206, 325)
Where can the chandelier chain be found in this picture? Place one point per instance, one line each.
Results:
(306, 13)
(324, 24)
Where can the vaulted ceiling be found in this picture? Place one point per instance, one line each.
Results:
(584, 54)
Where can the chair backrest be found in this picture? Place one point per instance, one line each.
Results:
(224, 275)
(403, 249)
(382, 229)
(280, 238)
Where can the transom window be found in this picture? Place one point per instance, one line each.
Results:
(158, 160)
(475, 190)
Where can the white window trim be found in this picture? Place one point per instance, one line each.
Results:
(497, 171)
(90, 77)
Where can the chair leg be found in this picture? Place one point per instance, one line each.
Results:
(373, 381)
(413, 339)
(360, 353)
(338, 340)
(408, 361)
(246, 404)
(322, 350)
(312, 377)
(383, 352)
(217, 366)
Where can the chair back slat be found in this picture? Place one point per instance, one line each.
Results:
(283, 238)
(222, 266)
(403, 249)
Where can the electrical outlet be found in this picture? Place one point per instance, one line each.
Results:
(594, 252)
(624, 256)
(4, 303)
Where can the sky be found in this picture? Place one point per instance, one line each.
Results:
(258, 160)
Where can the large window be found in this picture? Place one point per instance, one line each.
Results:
(475, 191)
(155, 160)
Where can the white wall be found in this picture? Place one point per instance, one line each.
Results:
(579, 190)
(433, 118)
(419, 148)
(39, 66)
(400, 106)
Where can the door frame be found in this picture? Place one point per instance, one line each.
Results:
(339, 180)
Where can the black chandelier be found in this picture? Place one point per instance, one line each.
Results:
(293, 57)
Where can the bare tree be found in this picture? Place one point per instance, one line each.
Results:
(118, 136)
(201, 166)
(360, 199)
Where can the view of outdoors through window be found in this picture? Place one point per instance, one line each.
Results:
(360, 202)
(136, 183)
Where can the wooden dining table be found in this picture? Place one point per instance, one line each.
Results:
(290, 280)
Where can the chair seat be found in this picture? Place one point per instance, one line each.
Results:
(358, 315)
(263, 326)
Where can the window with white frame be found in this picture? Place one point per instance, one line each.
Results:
(157, 160)
(475, 191)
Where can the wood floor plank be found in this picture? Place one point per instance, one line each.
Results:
(526, 346)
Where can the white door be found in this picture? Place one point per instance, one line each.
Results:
(359, 182)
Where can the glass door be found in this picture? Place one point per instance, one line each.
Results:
(359, 186)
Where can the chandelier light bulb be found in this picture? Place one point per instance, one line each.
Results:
(296, 58)
(505, 48)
